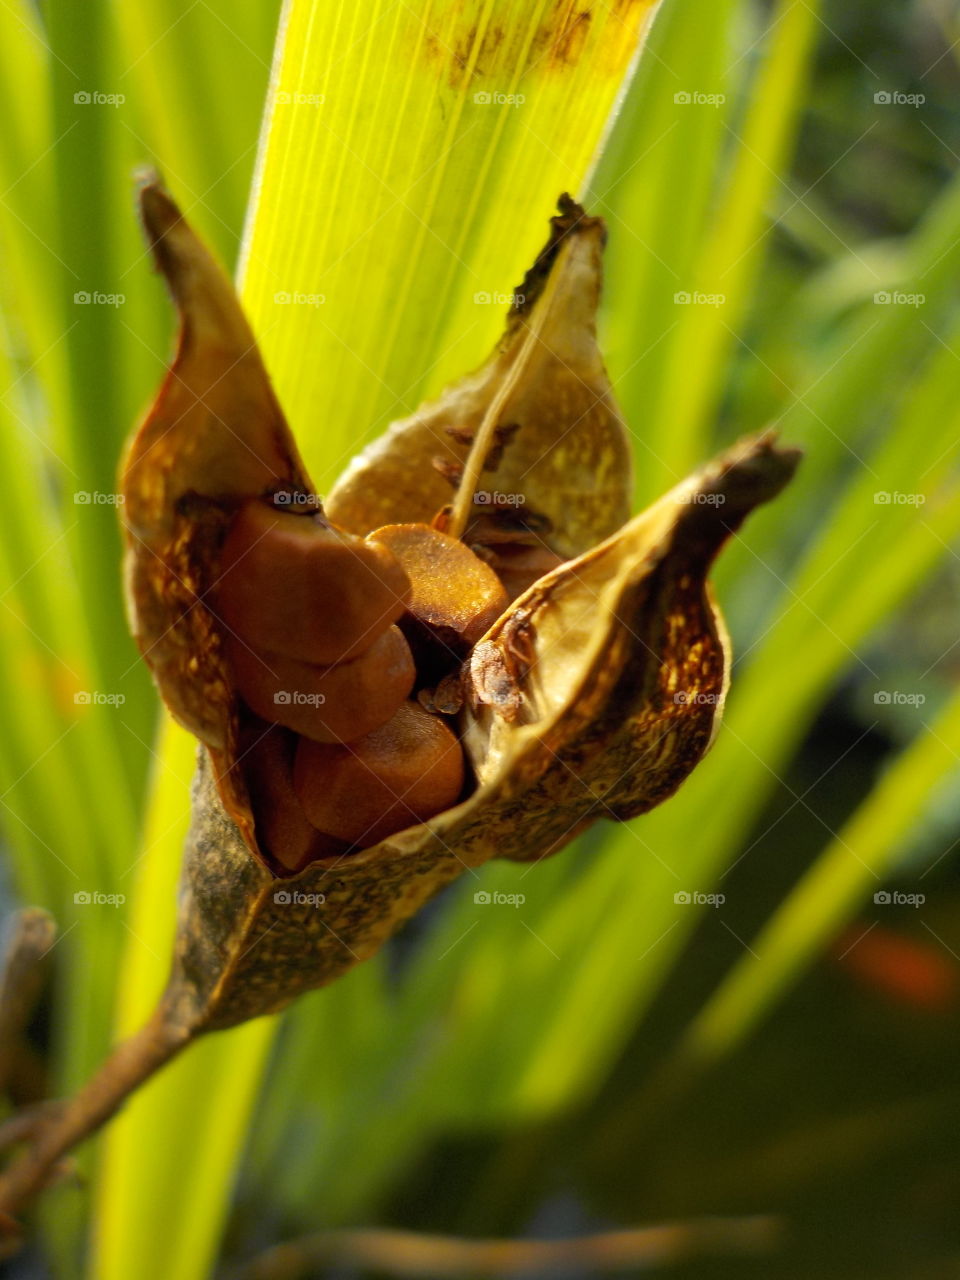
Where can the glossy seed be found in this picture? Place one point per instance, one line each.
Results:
(403, 773)
(455, 596)
(283, 830)
(293, 584)
(328, 704)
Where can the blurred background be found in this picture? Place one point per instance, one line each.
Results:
(745, 1003)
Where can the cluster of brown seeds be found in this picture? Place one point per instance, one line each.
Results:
(345, 652)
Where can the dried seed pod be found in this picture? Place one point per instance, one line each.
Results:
(405, 772)
(594, 694)
(516, 552)
(566, 454)
(454, 595)
(292, 584)
(328, 704)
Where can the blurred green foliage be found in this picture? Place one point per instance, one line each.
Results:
(606, 1055)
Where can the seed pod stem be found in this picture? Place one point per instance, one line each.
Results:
(131, 1063)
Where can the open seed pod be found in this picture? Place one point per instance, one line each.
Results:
(558, 448)
(592, 695)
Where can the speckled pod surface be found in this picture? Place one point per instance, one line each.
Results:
(593, 695)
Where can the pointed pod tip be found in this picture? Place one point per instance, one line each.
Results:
(572, 216)
(759, 468)
(195, 280)
(145, 175)
(717, 499)
(570, 222)
(159, 212)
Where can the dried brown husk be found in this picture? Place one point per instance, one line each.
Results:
(594, 695)
(572, 709)
(567, 451)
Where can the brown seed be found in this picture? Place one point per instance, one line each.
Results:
(283, 830)
(455, 596)
(403, 773)
(519, 566)
(295, 585)
(329, 704)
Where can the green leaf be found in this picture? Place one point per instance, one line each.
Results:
(863, 853)
(409, 165)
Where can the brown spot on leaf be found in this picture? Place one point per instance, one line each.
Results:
(503, 56)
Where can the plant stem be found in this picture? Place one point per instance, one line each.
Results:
(131, 1063)
(405, 1253)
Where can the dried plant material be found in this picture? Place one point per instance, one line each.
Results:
(592, 695)
(455, 596)
(446, 699)
(403, 773)
(407, 1253)
(329, 704)
(269, 750)
(614, 667)
(512, 544)
(567, 456)
(292, 584)
(214, 438)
